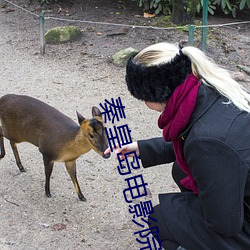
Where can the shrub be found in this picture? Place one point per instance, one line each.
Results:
(157, 6)
(165, 6)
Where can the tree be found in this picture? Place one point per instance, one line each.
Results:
(183, 11)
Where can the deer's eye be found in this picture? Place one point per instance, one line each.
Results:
(91, 136)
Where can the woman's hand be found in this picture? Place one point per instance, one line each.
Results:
(124, 150)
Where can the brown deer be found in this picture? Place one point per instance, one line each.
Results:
(59, 138)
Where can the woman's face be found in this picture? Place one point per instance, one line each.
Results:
(156, 106)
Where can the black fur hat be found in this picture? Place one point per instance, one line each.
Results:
(156, 83)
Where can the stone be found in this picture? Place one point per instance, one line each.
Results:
(239, 76)
(63, 34)
(121, 58)
(2, 3)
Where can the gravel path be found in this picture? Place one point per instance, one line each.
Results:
(70, 79)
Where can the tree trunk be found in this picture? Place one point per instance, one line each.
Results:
(183, 11)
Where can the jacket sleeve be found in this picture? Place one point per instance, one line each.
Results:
(220, 173)
(155, 151)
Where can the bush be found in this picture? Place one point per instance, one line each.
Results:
(165, 6)
(227, 6)
(156, 6)
(232, 6)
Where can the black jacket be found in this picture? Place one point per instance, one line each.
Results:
(216, 145)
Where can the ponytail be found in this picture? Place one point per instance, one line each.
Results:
(201, 66)
(218, 78)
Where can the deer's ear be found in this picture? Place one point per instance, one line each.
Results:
(96, 111)
(80, 118)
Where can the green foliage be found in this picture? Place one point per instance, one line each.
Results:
(165, 6)
(226, 6)
(157, 6)
(211, 7)
(244, 4)
(231, 6)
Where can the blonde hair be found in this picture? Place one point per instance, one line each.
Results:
(202, 67)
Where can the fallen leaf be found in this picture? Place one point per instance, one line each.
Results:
(147, 15)
(58, 227)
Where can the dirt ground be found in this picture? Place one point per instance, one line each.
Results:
(77, 76)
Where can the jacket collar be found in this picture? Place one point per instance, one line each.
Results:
(205, 99)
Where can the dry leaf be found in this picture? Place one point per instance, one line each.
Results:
(58, 227)
(147, 15)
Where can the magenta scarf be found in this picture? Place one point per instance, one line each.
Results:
(174, 119)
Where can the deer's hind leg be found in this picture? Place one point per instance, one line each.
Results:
(1, 144)
(71, 168)
(16, 154)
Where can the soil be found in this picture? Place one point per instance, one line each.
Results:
(77, 76)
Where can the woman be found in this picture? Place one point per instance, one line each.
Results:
(205, 118)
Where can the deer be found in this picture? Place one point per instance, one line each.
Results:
(58, 138)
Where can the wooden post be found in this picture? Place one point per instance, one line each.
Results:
(42, 31)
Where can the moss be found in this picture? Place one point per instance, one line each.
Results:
(163, 22)
(63, 34)
(121, 58)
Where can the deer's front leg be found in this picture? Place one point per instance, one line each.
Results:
(71, 168)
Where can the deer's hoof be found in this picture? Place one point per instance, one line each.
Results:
(82, 198)
(48, 195)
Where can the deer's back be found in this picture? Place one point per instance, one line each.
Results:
(24, 118)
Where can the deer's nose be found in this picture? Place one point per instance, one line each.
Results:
(106, 156)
